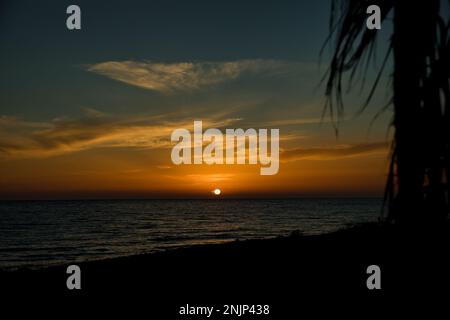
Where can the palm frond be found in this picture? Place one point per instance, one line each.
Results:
(354, 44)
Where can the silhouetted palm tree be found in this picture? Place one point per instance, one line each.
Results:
(418, 182)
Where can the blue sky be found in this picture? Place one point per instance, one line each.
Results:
(256, 62)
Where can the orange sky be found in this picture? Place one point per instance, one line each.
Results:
(89, 114)
(125, 173)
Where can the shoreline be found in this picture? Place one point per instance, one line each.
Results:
(294, 235)
(281, 271)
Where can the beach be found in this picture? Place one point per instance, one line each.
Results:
(285, 272)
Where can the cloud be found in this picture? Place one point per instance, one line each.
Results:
(202, 178)
(297, 122)
(185, 76)
(94, 129)
(343, 151)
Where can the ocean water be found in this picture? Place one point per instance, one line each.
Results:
(41, 233)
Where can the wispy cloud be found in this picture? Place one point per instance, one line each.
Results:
(200, 178)
(297, 122)
(333, 153)
(185, 76)
(19, 138)
(94, 129)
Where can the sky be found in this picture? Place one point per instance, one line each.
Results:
(89, 113)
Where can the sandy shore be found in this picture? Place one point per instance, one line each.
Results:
(279, 271)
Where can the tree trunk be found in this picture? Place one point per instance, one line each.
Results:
(417, 150)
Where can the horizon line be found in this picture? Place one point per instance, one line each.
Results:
(196, 198)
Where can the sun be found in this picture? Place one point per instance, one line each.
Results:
(217, 192)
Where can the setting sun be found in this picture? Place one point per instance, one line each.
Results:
(217, 192)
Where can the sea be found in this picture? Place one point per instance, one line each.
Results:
(36, 234)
